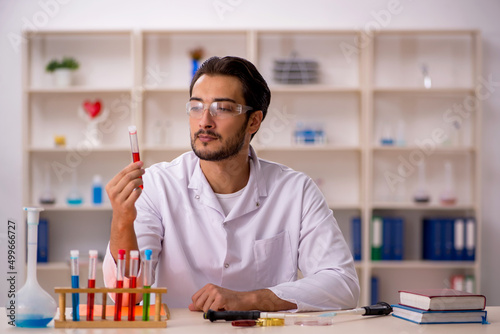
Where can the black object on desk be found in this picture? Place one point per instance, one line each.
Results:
(381, 308)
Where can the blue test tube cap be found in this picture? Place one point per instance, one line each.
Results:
(74, 254)
(148, 253)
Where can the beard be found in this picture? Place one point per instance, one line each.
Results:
(231, 146)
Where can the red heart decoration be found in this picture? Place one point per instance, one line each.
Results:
(92, 109)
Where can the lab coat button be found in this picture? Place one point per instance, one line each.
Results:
(226, 265)
(197, 197)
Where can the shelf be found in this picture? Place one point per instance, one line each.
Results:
(79, 90)
(298, 88)
(312, 89)
(270, 149)
(83, 207)
(421, 91)
(49, 266)
(307, 148)
(423, 206)
(344, 206)
(173, 89)
(101, 149)
(431, 32)
(437, 149)
(164, 148)
(77, 32)
(422, 265)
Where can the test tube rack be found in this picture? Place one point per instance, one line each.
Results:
(103, 321)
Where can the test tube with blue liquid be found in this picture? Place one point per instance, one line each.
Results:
(75, 283)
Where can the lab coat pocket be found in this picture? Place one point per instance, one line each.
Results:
(274, 261)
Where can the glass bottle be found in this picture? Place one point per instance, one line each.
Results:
(421, 194)
(74, 195)
(448, 195)
(35, 307)
(47, 196)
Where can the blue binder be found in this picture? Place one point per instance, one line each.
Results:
(356, 238)
(42, 254)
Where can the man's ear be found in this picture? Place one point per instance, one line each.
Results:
(255, 121)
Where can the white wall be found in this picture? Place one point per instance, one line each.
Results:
(165, 14)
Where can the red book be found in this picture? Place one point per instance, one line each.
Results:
(441, 299)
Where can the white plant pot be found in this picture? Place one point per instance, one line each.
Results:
(63, 77)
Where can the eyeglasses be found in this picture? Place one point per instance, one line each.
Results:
(221, 109)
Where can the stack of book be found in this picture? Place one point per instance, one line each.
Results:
(440, 306)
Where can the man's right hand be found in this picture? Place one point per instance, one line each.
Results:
(123, 191)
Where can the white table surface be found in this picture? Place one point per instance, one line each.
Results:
(183, 321)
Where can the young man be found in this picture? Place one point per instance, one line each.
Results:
(229, 231)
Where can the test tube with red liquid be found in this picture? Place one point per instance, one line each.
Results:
(134, 144)
(91, 284)
(133, 270)
(120, 274)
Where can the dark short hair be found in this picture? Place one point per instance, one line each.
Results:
(255, 90)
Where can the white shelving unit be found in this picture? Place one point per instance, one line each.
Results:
(142, 77)
(397, 95)
(106, 73)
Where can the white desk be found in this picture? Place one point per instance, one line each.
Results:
(183, 321)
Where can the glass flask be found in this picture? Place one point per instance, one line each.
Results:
(35, 307)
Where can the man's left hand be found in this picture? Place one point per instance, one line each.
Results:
(213, 297)
(216, 298)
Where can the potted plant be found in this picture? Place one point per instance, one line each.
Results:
(62, 70)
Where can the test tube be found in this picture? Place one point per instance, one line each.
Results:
(133, 270)
(91, 284)
(134, 144)
(147, 280)
(75, 283)
(120, 274)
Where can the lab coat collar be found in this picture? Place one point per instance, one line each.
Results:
(250, 199)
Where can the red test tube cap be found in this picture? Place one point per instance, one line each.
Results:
(121, 254)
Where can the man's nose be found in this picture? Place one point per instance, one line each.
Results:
(206, 120)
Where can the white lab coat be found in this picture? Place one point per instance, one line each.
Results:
(281, 223)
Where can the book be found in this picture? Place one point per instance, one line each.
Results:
(439, 317)
(387, 235)
(376, 242)
(432, 240)
(457, 282)
(448, 239)
(392, 238)
(42, 252)
(441, 299)
(374, 290)
(356, 238)
(397, 247)
(459, 239)
(470, 239)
